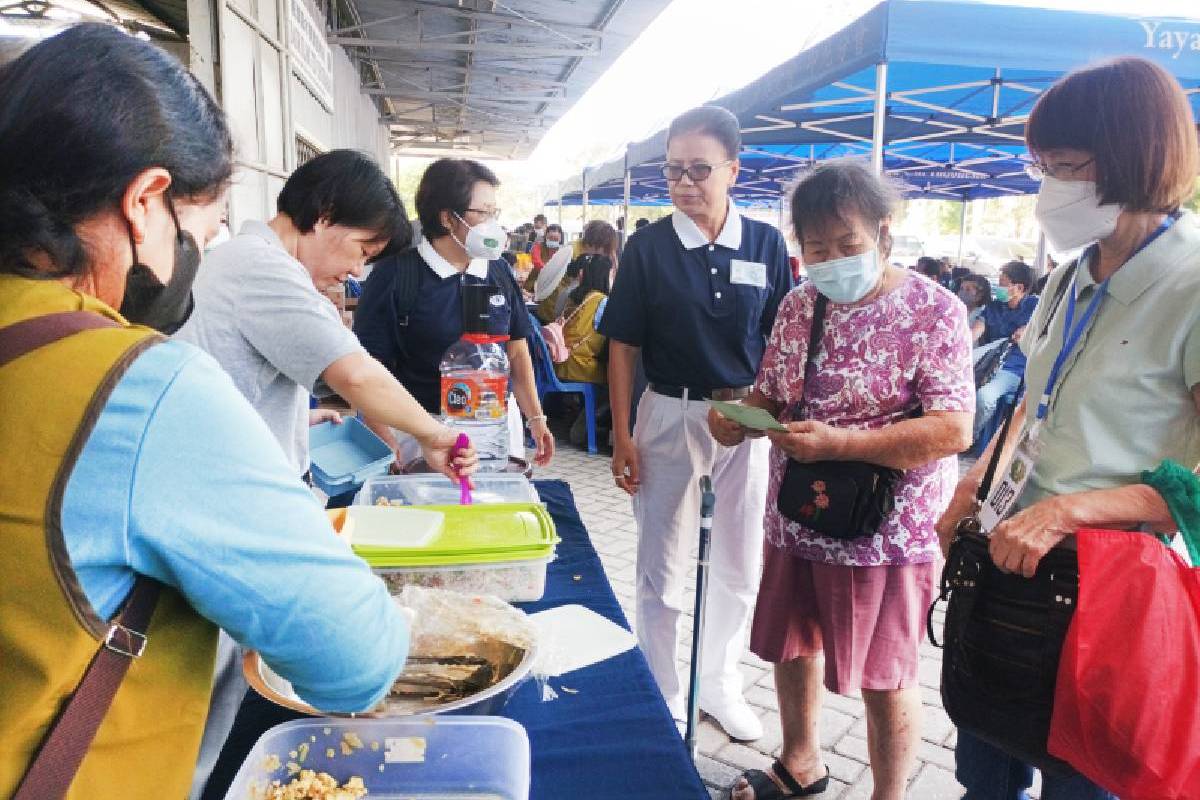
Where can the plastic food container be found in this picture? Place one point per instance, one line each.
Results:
(431, 758)
(436, 490)
(501, 549)
(344, 455)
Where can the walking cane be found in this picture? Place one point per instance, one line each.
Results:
(707, 501)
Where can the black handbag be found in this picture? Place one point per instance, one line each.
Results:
(838, 499)
(1004, 633)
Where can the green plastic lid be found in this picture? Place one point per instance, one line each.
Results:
(477, 534)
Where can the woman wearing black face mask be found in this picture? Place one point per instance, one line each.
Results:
(143, 503)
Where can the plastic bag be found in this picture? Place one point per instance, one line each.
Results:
(1127, 704)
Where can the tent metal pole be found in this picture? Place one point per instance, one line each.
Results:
(881, 73)
(962, 229)
(1039, 260)
(628, 191)
(585, 198)
(558, 188)
(781, 221)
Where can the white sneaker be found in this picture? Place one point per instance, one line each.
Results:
(736, 716)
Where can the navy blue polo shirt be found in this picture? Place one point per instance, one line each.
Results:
(700, 312)
(413, 352)
(1001, 322)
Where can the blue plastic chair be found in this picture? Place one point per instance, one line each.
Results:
(548, 382)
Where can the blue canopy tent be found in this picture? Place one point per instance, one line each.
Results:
(933, 91)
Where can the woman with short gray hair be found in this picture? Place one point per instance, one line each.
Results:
(887, 392)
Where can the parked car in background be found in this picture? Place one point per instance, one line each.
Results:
(906, 249)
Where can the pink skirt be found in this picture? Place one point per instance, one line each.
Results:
(867, 621)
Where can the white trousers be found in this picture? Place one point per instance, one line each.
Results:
(674, 450)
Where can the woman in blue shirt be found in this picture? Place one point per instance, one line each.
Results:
(410, 311)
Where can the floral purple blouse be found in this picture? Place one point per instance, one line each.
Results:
(878, 362)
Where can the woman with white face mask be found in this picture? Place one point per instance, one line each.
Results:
(411, 306)
(889, 383)
(1115, 148)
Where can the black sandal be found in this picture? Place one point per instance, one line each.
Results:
(766, 789)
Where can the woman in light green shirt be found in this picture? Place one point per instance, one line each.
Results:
(1115, 146)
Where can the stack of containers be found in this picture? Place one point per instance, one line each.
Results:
(500, 545)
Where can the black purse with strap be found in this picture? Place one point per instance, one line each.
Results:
(1004, 633)
(838, 499)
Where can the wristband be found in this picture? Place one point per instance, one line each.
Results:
(538, 418)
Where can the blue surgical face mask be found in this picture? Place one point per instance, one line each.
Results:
(849, 279)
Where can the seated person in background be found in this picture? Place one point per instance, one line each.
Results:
(641, 223)
(561, 275)
(545, 249)
(1004, 320)
(585, 307)
(976, 292)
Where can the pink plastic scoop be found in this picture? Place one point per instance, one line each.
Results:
(464, 483)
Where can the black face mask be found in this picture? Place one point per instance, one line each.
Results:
(148, 301)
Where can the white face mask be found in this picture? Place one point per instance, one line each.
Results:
(849, 279)
(553, 244)
(485, 240)
(1071, 214)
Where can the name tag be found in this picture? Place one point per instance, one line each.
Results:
(748, 273)
(1005, 494)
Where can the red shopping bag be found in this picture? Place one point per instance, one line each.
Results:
(1127, 701)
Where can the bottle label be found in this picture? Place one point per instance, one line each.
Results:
(480, 396)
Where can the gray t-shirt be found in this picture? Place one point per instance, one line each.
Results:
(259, 315)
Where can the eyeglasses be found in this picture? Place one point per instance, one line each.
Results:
(1040, 169)
(696, 172)
(493, 214)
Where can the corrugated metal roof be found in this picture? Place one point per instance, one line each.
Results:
(484, 76)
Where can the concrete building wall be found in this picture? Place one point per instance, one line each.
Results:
(286, 91)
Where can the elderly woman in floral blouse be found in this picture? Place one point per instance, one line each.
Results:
(891, 384)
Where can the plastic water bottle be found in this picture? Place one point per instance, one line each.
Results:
(475, 382)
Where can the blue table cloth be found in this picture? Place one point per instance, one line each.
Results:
(614, 737)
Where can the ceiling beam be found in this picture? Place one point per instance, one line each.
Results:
(498, 97)
(516, 76)
(429, 8)
(417, 45)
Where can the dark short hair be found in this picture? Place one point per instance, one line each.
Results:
(980, 282)
(539, 218)
(447, 186)
(714, 121)
(1020, 273)
(554, 226)
(599, 235)
(594, 273)
(930, 266)
(345, 187)
(837, 190)
(1135, 120)
(81, 115)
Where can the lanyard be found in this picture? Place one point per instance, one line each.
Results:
(1072, 334)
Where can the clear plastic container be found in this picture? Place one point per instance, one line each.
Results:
(437, 490)
(515, 581)
(427, 758)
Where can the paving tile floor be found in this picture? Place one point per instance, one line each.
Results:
(606, 512)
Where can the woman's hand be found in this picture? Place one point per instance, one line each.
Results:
(1019, 543)
(440, 455)
(318, 415)
(724, 430)
(543, 441)
(809, 441)
(961, 505)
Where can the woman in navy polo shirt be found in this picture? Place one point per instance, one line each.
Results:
(407, 321)
(696, 294)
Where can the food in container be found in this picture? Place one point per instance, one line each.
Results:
(431, 758)
(437, 490)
